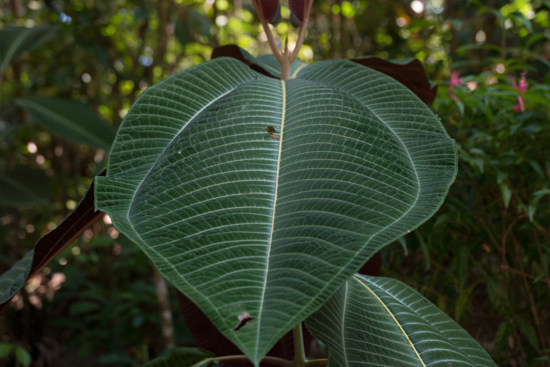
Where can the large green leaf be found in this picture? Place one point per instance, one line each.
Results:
(22, 187)
(374, 321)
(257, 231)
(183, 357)
(69, 119)
(16, 40)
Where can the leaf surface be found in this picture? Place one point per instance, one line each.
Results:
(22, 187)
(70, 119)
(48, 247)
(183, 357)
(259, 231)
(374, 321)
(16, 40)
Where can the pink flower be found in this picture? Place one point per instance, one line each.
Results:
(455, 80)
(522, 87)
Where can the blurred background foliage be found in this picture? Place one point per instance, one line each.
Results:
(484, 258)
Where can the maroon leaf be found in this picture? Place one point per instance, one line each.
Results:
(412, 75)
(373, 266)
(238, 53)
(51, 245)
(297, 8)
(271, 10)
(208, 337)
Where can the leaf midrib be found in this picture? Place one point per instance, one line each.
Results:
(393, 318)
(281, 136)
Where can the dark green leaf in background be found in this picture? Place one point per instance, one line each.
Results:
(69, 119)
(23, 187)
(183, 357)
(16, 40)
(48, 247)
(23, 357)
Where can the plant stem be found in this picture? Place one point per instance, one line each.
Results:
(285, 57)
(299, 350)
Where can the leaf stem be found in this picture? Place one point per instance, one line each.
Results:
(299, 350)
(285, 57)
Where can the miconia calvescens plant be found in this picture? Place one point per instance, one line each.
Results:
(260, 186)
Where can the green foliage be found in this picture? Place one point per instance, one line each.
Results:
(483, 258)
(376, 321)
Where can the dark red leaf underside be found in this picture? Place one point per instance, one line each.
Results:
(411, 75)
(270, 9)
(51, 245)
(297, 8)
(234, 51)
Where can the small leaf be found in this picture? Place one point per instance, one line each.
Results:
(16, 40)
(530, 333)
(23, 187)
(541, 275)
(501, 176)
(5, 349)
(70, 119)
(23, 357)
(501, 337)
(403, 244)
(183, 357)
(463, 301)
(531, 209)
(506, 193)
(537, 167)
(424, 248)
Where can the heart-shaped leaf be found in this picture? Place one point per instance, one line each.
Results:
(382, 322)
(259, 230)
